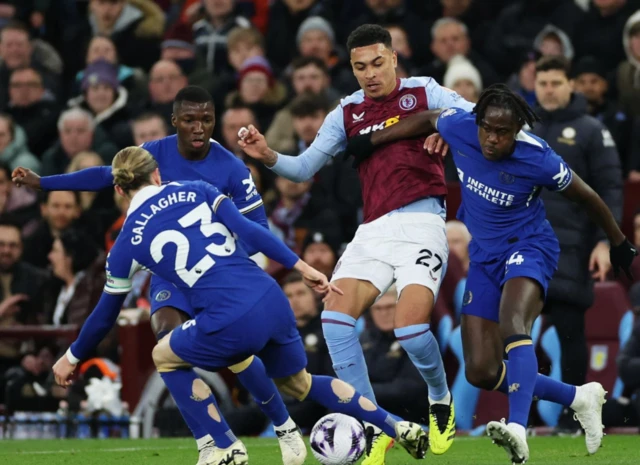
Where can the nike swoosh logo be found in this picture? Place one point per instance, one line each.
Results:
(268, 400)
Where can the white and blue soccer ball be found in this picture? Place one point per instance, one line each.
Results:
(337, 439)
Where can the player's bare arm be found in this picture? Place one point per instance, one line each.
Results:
(622, 251)
(420, 124)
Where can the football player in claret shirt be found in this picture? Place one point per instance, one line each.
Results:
(514, 252)
(192, 154)
(185, 232)
(402, 239)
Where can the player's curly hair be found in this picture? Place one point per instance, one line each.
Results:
(132, 168)
(499, 95)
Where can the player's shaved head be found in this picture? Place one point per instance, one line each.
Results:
(191, 94)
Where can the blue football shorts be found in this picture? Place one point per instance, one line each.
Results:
(267, 331)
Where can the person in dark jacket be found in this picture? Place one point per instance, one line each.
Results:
(589, 149)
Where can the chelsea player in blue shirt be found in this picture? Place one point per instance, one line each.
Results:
(193, 155)
(184, 233)
(514, 252)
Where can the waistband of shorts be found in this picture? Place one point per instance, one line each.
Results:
(404, 218)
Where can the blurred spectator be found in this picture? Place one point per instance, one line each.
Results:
(628, 72)
(77, 133)
(107, 100)
(33, 108)
(20, 204)
(320, 250)
(599, 32)
(513, 32)
(211, 32)
(128, 22)
(523, 81)
(396, 383)
(336, 183)
(259, 90)
(590, 79)
(475, 14)
(178, 47)
(295, 211)
(553, 41)
(59, 210)
(83, 161)
(316, 38)
(385, 12)
(78, 278)
(587, 146)
(449, 37)
(458, 238)
(400, 44)
(636, 230)
(250, 419)
(242, 44)
(165, 81)
(13, 145)
(308, 75)
(102, 48)
(148, 127)
(464, 78)
(21, 288)
(285, 18)
(17, 50)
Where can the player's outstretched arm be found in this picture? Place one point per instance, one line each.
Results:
(622, 252)
(260, 239)
(420, 124)
(298, 169)
(94, 330)
(89, 179)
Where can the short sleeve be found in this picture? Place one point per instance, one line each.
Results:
(332, 137)
(442, 97)
(452, 123)
(555, 174)
(242, 188)
(121, 266)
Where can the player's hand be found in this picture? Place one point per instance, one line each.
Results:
(315, 279)
(62, 371)
(435, 144)
(255, 145)
(599, 262)
(622, 256)
(360, 148)
(25, 177)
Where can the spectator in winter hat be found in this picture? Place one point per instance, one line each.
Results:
(553, 41)
(321, 248)
(178, 46)
(464, 78)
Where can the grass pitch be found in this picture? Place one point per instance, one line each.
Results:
(616, 450)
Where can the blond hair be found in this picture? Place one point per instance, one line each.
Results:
(132, 168)
(81, 158)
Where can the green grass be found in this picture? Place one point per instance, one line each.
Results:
(616, 450)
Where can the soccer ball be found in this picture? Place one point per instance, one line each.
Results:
(337, 439)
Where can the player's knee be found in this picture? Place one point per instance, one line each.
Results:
(481, 375)
(414, 307)
(335, 302)
(296, 386)
(165, 359)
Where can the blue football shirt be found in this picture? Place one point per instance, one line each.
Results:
(174, 231)
(500, 199)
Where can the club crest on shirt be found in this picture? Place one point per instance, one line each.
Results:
(467, 298)
(162, 296)
(507, 178)
(408, 102)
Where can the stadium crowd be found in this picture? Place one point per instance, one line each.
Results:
(81, 79)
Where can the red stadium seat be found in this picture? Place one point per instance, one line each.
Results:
(602, 327)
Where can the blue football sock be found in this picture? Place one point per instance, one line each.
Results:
(347, 401)
(181, 385)
(264, 391)
(423, 350)
(545, 389)
(346, 352)
(521, 377)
